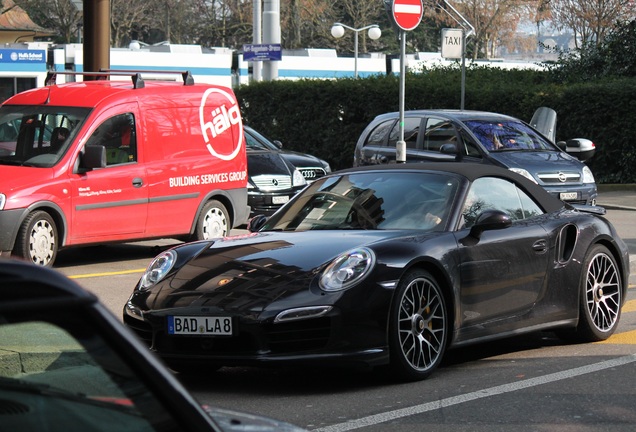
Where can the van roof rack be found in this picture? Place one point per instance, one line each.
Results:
(135, 75)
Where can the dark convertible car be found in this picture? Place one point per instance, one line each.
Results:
(386, 265)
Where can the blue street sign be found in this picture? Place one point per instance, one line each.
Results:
(262, 52)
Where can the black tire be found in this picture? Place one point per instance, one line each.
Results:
(601, 296)
(37, 239)
(213, 222)
(418, 327)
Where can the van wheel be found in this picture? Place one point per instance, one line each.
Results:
(212, 222)
(37, 239)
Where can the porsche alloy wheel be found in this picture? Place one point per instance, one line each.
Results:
(601, 296)
(37, 239)
(213, 222)
(418, 327)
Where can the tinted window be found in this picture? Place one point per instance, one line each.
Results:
(379, 135)
(411, 132)
(117, 134)
(497, 194)
(469, 147)
(438, 133)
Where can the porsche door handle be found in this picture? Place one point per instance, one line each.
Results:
(540, 246)
(137, 182)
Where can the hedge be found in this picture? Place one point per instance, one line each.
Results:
(326, 117)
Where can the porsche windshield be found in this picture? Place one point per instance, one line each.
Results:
(508, 135)
(37, 135)
(373, 200)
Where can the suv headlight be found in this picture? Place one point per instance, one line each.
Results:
(588, 177)
(298, 179)
(158, 269)
(347, 269)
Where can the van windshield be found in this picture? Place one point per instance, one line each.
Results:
(37, 135)
(508, 135)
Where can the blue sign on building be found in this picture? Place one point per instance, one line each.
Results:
(262, 52)
(22, 56)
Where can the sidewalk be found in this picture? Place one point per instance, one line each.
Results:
(617, 197)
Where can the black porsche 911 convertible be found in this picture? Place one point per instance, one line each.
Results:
(388, 265)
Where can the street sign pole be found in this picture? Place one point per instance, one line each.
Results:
(405, 16)
(400, 146)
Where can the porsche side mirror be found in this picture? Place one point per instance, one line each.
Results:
(256, 223)
(278, 144)
(490, 220)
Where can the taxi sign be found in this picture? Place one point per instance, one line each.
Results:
(407, 14)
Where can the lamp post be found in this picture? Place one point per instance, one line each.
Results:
(338, 31)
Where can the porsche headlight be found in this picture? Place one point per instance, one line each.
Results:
(158, 269)
(588, 177)
(524, 173)
(347, 269)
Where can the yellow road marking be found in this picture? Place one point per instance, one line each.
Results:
(626, 338)
(90, 275)
(629, 306)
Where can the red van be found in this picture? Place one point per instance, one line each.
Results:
(114, 160)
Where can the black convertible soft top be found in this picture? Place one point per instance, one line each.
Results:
(472, 171)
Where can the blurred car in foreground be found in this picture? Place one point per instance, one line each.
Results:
(67, 364)
(488, 138)
(386, 265)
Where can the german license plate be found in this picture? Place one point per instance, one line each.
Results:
(200, 325)
(280, 199)
(564, 196)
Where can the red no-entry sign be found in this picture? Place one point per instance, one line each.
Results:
(407, 13)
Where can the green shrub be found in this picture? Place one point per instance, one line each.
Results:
(326, 117)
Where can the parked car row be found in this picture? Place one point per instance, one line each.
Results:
(276, 175)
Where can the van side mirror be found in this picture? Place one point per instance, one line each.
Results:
(94, 156)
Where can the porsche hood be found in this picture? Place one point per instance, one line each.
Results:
(254, 271)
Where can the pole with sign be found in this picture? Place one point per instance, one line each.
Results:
(405, 15)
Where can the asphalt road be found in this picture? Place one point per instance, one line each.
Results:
(533, 383)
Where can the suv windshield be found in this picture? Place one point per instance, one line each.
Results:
(508, 135)
(37, 135)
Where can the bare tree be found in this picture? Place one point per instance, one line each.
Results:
(60, 15)
(590, 20)
(126, 17)
(494, 21)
